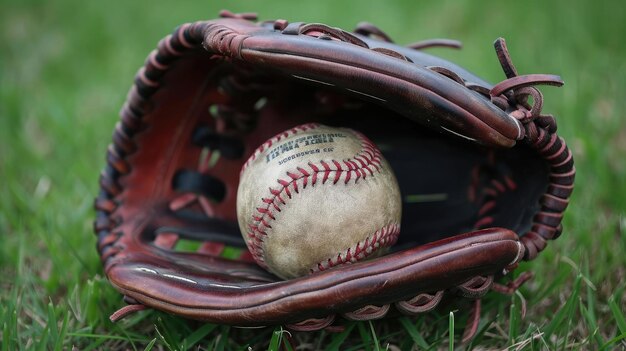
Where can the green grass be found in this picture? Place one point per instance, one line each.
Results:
(65, 68)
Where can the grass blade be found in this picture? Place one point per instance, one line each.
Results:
(564, 312)
(221, 345)
(41, 343)
(482, 329)
(6, 336)
(617, 312)
(591, 295)
(287, 346)
(163, 339)
(451, 332)
(338, 339)
(277, 337)
(514, 321)
(61, 336)
(150, 345)
(613, 341)
(10, 329)
(199, 334)
(374, 337)
(365, 336)
(418, 339)
(52, 323)
(591, 323)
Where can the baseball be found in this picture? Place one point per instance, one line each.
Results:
(315, 197)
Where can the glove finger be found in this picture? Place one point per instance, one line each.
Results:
(224, 291)
(405, 86)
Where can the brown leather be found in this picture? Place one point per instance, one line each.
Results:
(469, 157)
(242, 294)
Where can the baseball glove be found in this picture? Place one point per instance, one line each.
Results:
(483, 175)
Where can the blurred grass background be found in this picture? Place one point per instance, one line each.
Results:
(65, 68)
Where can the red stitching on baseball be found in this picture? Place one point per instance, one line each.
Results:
(383, 237)
(265, 212)
(315, 171)
(326, 171)
(306, 175)
(338, 172)
(368, 157)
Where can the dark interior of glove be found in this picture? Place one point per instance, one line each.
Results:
(449, 185)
